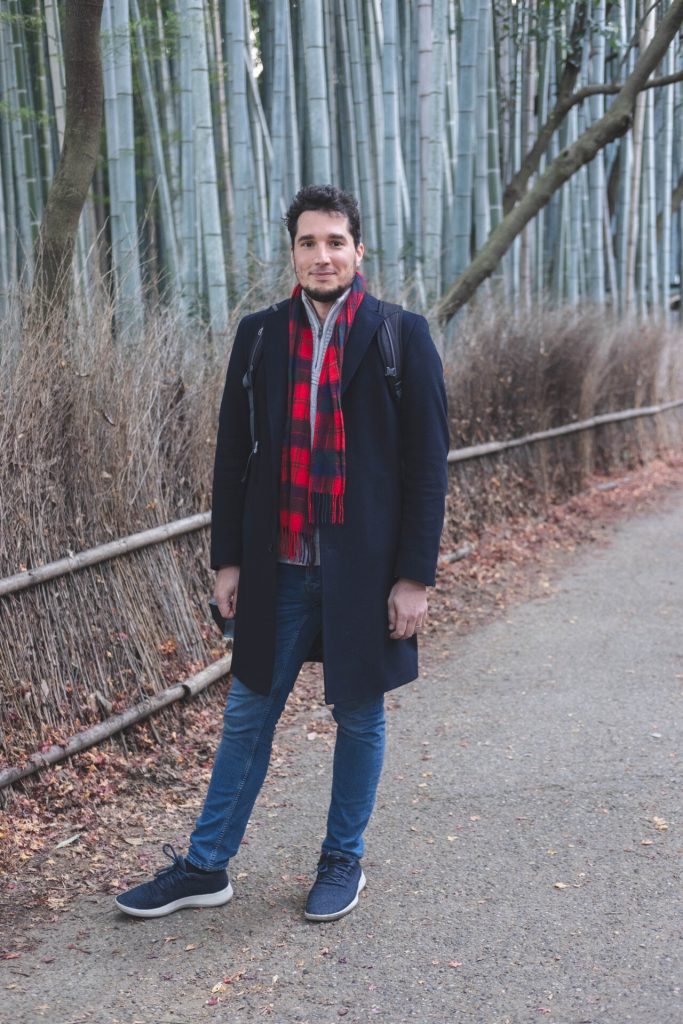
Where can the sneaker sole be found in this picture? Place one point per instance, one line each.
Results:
(209, 899)
(339, 913)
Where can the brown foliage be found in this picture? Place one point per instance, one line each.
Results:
(508, 376)
(95, 443)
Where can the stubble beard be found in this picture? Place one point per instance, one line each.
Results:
(327, 295)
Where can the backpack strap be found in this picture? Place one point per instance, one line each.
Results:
(255, 353)
(391, 346)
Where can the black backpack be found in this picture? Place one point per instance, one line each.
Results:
(390, 346)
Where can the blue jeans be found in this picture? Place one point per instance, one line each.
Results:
(248, 726)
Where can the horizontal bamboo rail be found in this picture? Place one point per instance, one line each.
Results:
(103, 553)
(494, 447)
(110, 726)
(195, 684)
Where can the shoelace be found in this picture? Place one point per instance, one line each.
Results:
(177, 862)
(336, 870)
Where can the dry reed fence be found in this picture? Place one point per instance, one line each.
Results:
(514, 375)
(102, 441)
(96, 443)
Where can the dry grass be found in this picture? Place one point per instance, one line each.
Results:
(510, 376)
(98, 441)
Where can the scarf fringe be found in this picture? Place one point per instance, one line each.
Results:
(325, 508)
(297, 547)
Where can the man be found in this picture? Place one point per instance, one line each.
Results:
(328, 505)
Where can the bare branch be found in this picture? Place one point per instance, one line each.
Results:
(612, 125)
(565, 102)
(515, 189)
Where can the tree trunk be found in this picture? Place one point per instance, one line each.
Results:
(55, 244)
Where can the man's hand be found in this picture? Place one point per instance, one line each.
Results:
(225, 590)
(407, 608)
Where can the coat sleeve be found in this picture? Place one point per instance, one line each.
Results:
(424, 449)
(233, 446)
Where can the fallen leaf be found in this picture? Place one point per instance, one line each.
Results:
(192, 945)
(660, 824)
(561, 885)
(454, 963)
(67, 842)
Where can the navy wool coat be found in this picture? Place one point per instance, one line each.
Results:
(396, 480)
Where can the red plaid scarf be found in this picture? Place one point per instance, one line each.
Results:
(313, 477)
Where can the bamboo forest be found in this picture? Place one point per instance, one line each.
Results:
(440, 115)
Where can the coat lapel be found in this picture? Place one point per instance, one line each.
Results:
(363, 330)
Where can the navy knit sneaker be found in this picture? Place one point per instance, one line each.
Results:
(175, 887)
(336, 889)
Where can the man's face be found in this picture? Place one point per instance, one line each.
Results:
(324, 256)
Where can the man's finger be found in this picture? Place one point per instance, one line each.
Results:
(399, 631)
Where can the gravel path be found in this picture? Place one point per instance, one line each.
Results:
(524, 861)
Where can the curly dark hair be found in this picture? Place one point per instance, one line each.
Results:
(329, 199)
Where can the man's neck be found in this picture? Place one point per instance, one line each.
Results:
(322, 309)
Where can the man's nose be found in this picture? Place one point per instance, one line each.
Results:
(322, 255)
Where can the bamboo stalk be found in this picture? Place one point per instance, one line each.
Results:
(278, 105)
(316, 89)
(159, 160)
(240, 142)
(393, 221)
(205, 170)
